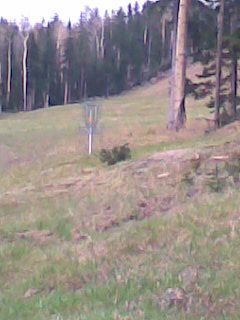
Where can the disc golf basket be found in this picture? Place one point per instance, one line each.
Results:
(91, 113)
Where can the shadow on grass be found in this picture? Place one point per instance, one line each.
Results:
(226, 118)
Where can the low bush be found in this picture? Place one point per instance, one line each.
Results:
(117, 154)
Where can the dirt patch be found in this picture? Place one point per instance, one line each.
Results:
(31, 292)
(37, 236)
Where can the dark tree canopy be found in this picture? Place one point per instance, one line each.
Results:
(98, 56)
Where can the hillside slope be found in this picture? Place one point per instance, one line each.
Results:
(156, 237)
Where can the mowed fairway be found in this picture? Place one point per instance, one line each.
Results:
(79, 240)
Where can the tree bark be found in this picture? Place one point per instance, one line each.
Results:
(176, 112)
(145, 35)
(85, 89)
(180, 65)
(118, 58)
(33, 97)
(164, 36)
(219, 63)
(171, 120)
(97, 45)
(82, 84)
(9, 72)
(234, 70)
(102, 39)
(145, 42)
(66, 92)
(24, 65)
(149, 52)
(46, 100)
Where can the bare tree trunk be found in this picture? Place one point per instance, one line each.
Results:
(24, 65)
(234, 69)
(163, 33)
(145, 40)
(145, 35)
(180, 65)
(97, 45)
(234, 77)
(46, 100)
(66, 92)
(31, 99)
(82, 84)
(129, 73)
(85, 89)
(219, 63)
(102, 40)
(9, 72)
(171, 120)
(149, 52)
(118, 58)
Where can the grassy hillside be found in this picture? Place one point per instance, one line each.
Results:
(156, 237)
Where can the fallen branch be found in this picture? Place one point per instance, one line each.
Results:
(220, 158)
(163, 175)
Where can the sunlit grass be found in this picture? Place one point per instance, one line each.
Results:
(119, 237)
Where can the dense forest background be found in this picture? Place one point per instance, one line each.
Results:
(52, 63)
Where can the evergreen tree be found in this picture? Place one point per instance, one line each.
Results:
(52, 63)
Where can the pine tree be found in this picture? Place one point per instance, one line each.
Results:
(226, 93)
(219, 63)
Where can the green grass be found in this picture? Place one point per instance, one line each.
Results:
(140, 231)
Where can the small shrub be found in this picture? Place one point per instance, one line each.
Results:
(117, 154)
(233, 169)
(216, 182)
(188, 179)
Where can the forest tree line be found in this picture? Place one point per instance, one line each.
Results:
(52, 63)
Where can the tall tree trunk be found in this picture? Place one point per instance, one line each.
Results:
(177, 113)
(145, 35)
(9, 70)
(180, 65)
(163, 34)
(33, 97)
(171, 120)
(149, 52)
(219, 63)
(66, 92)
(102, 39)
(46, 100)
(118, 58)
(46, 96)
(82, 84)
(145, 38)
(234, 69)
(129, 69)
(97, 45)
(24, 65)
(85, 89)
